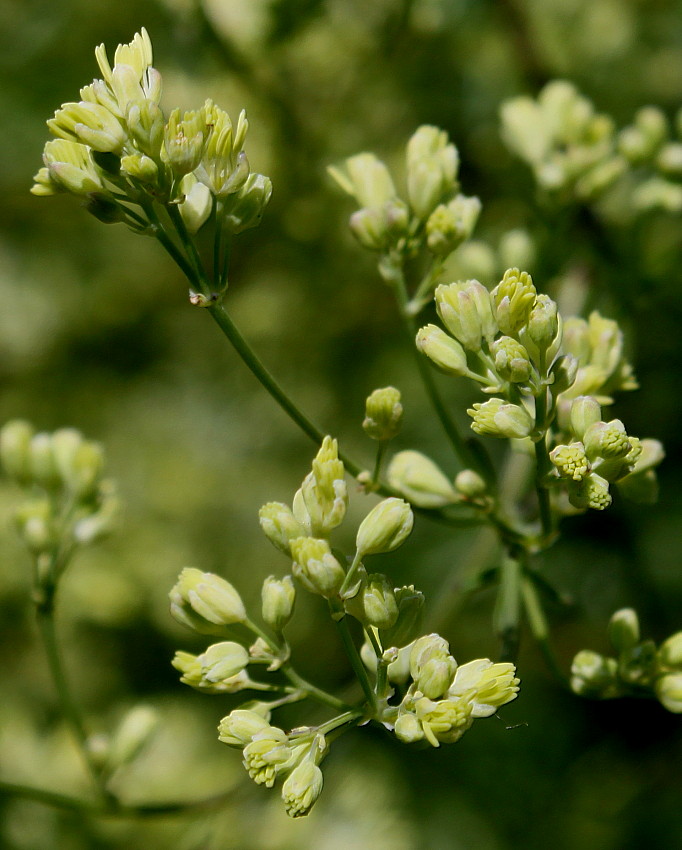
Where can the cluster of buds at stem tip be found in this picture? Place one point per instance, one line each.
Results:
(70, 502)
(638, 668)
(116, 148)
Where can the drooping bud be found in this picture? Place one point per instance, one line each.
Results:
(205, 602)
(418, 479)
(442, 350)
(315, 566)
(498, 418)
(302, 788)
(591, 492)
(278, 597)
(383, 414)
(385, 528)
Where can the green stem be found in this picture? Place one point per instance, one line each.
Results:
(539, 628)
(381, 453)
(188, 243)
(350, 574)
(543, 464)
(354, 657)
(508, 607)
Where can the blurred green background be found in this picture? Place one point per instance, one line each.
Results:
(96, 333)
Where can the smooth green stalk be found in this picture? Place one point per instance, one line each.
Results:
(508, 607)
(354, 656)
(544, 465)
(539, 627)
(381, 454)
(350, 575)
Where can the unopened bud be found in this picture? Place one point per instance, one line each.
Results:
(383, 414)
(513, 299)
(497, 418)
(624, 629)
(607, 440)
(470, 484)
(511, 360)
(466, 311)
(15, 454)
(442, 350)
(385, 527)
(418, 479)
(132, 736)
(585, 411)
(669, 692)
(278, 597)
(374, 604)
(280, 525)
(205, 602)
(315, 566)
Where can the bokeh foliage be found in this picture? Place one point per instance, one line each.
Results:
(96, 332)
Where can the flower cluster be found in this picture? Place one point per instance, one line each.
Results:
(439, 703)
(639, 668)
(549, 380)
(442, 699)
(70, 503)
(117, 149)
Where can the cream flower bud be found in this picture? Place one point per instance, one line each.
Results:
(669, 692)
(450, 225)
(204, 601)
(267, 751)
(466, 311)
(432, 164)
(591, 492)
(543, 328)
(444, 721)
(366, 179)
(223, 660)
(70, 167)
(383, 414)
(497, 418)
(184, 141)
(585, 411)
(408, 729)
(410, 604)
(197, 204)
(624, 629)
(278, 597)
(594, 675)
(470, 484)
(302, 788)
(670, 651)
(239, 727)
(385, 528)
(488, 686)
(442, 350)
(132, 736)
(513, 299)
(511, 360)
(324, 491)
(244, 209)
(90, 124)
(280, 525)
(419, 480)
(315, 566)
(607, 440)
(15, 449)
(140, 167)
(375, 603)
(35, 524)
(86, 468)
(570, 461)
(431, 665)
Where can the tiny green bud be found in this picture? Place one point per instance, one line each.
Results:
(513, 299)
(315, 566)
(280, 525)
(133, 734)
(442, 350)
(497, 418)
(278, 597)
(607, 440)
(419, 480)
(302, 788)
(511, 360)
(35, 524)
(624, 630)
(670, 651)
(585, 411)
(470, 484)
(15, 449)
(669, 692)
(385, 528)
(383, 414)
(375, 603)
(450, 225)
(204, 601)
(570, 461)
(83, 477)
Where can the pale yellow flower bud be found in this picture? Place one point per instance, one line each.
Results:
(670, 651)
(497, 418)
(280, 525)
(594, 675)
(244, 209)
(302, 788)
(196, 206)
(267, 751)
(315, 566)
(450, 225)
(366, 179)
(624, 629)
(591, 492)
(15, 449)
(466, 311)
(383, 414)
(570, 461)
(470, 484)
(486, 685)
(140, 167)
(132, 736)
(375, 603)
(669, 692)
(204, 601)
(444, 721)
(385, 528)
(607, 440)
(585, 412)
(418, 479)
(239, 727)
(442, 350)
(511, 360)
(432, 163)
(89, 124)
(184, 141)
(513, 299)
(278, 597)
(543, 328)
(408, 729)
